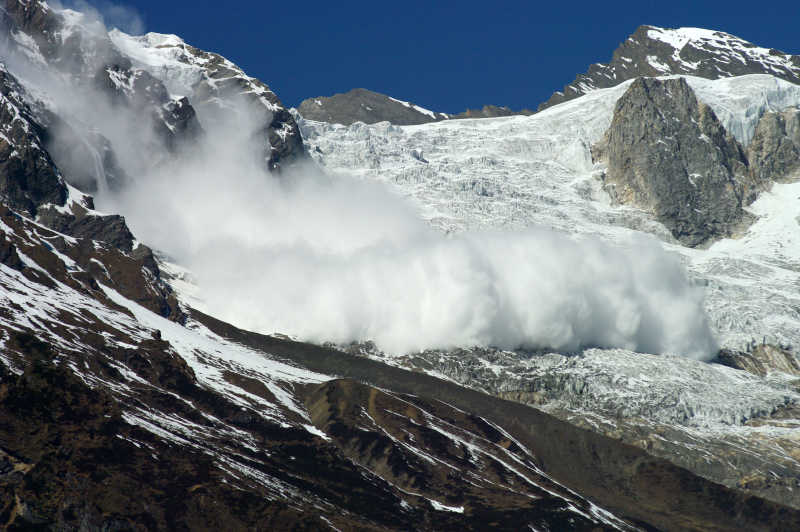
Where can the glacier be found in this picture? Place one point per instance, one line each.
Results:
(517, 172)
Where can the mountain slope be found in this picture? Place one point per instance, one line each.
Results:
(149, 404)
(508, 173)
(123, 407)
(362, 105)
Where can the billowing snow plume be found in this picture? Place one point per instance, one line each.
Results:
(336, 259)
(341, 260)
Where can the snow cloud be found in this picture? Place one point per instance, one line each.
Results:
(342, 260)
(336, 259)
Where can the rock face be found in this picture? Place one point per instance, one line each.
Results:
(214, 87)
(653, 51)
(667, 153)
(774, 152)
(174, 120)
(761, 359)
(28, 175)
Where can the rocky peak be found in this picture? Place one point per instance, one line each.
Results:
(668, 153)
(651, 51)
(216, 88)
(362, 105)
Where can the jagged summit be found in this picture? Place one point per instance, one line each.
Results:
(652, 51)
(649, 52)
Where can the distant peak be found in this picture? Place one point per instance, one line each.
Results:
(652, 51)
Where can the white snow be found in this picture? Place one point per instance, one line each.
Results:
(444, 508)
(210, 356)
(517, 172)
(727, 49)
(415, 107)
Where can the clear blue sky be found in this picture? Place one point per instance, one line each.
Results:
(445, 56)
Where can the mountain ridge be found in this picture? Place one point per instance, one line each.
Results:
(650, 51)
(362, 105)
(111, 384)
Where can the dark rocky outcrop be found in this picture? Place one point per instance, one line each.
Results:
(774, 151)
(28, 176)
(668, 153)
(179, 126)
(8, 254)
(760, 359)
(174, 121)
(83, 223)
(710, 55)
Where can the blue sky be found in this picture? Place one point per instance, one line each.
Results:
(445, 56)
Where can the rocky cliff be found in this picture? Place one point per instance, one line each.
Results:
(667, 153)
(774, 152)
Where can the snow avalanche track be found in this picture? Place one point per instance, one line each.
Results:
(517, 172)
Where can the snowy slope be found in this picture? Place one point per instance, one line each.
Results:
(516, 172)
(192, 390)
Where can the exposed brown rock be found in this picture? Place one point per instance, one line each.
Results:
(668, 154)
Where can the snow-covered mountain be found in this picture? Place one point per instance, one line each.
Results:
(115, 379)
(652, 51)
(521, 171)
(649, 52)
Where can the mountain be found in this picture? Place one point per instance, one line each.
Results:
(362, 105)
(651, 51)
(546, 171)
(125, 403)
